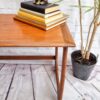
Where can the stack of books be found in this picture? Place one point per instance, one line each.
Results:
(44, 16)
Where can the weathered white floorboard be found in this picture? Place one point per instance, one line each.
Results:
(6, 74)
(38, 82)
(96, 78)
(43, 87)
(21, 88)
(69, 92)
(83, 87)
(1, 66)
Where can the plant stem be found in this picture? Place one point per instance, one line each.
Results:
(81, 28)
(98, 23)
(89, 35)
(93, 35)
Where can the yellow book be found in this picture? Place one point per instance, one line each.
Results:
(37, 18)
(29, 22)
(38, 25)
(33, 21)
(41, 23)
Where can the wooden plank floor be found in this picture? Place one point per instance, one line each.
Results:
(37, 82)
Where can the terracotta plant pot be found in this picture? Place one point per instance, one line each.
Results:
(82, 69)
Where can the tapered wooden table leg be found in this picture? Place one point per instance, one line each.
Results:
(63, 72)
(56, 66)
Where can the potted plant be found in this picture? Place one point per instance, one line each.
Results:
(83, 61)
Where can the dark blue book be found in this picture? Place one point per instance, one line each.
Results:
(45, 8)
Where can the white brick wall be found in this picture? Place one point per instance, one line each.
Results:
(12, 6)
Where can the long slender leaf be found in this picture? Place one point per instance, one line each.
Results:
(90, 9)
(81, 6)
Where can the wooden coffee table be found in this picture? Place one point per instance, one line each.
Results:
(17, 34)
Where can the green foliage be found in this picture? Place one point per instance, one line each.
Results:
(89, 8)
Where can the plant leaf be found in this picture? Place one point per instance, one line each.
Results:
(81, 6)
(90, 9)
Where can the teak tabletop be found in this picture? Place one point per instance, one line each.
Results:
(17, 34)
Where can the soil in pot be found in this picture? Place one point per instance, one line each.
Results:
(82, 68)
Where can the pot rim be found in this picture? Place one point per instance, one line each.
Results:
(92, 55)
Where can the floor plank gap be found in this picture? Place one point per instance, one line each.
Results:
(32, 83)
(38, 82)
(50, 79)
(74, 87)
(43, 87)
(95, 87)
(1, 66)
(10, 84)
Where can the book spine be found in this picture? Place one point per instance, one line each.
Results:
(28, 22)
(32, 12)
(37, 25)
(32, 17)
(29, 7)
(33, 21)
